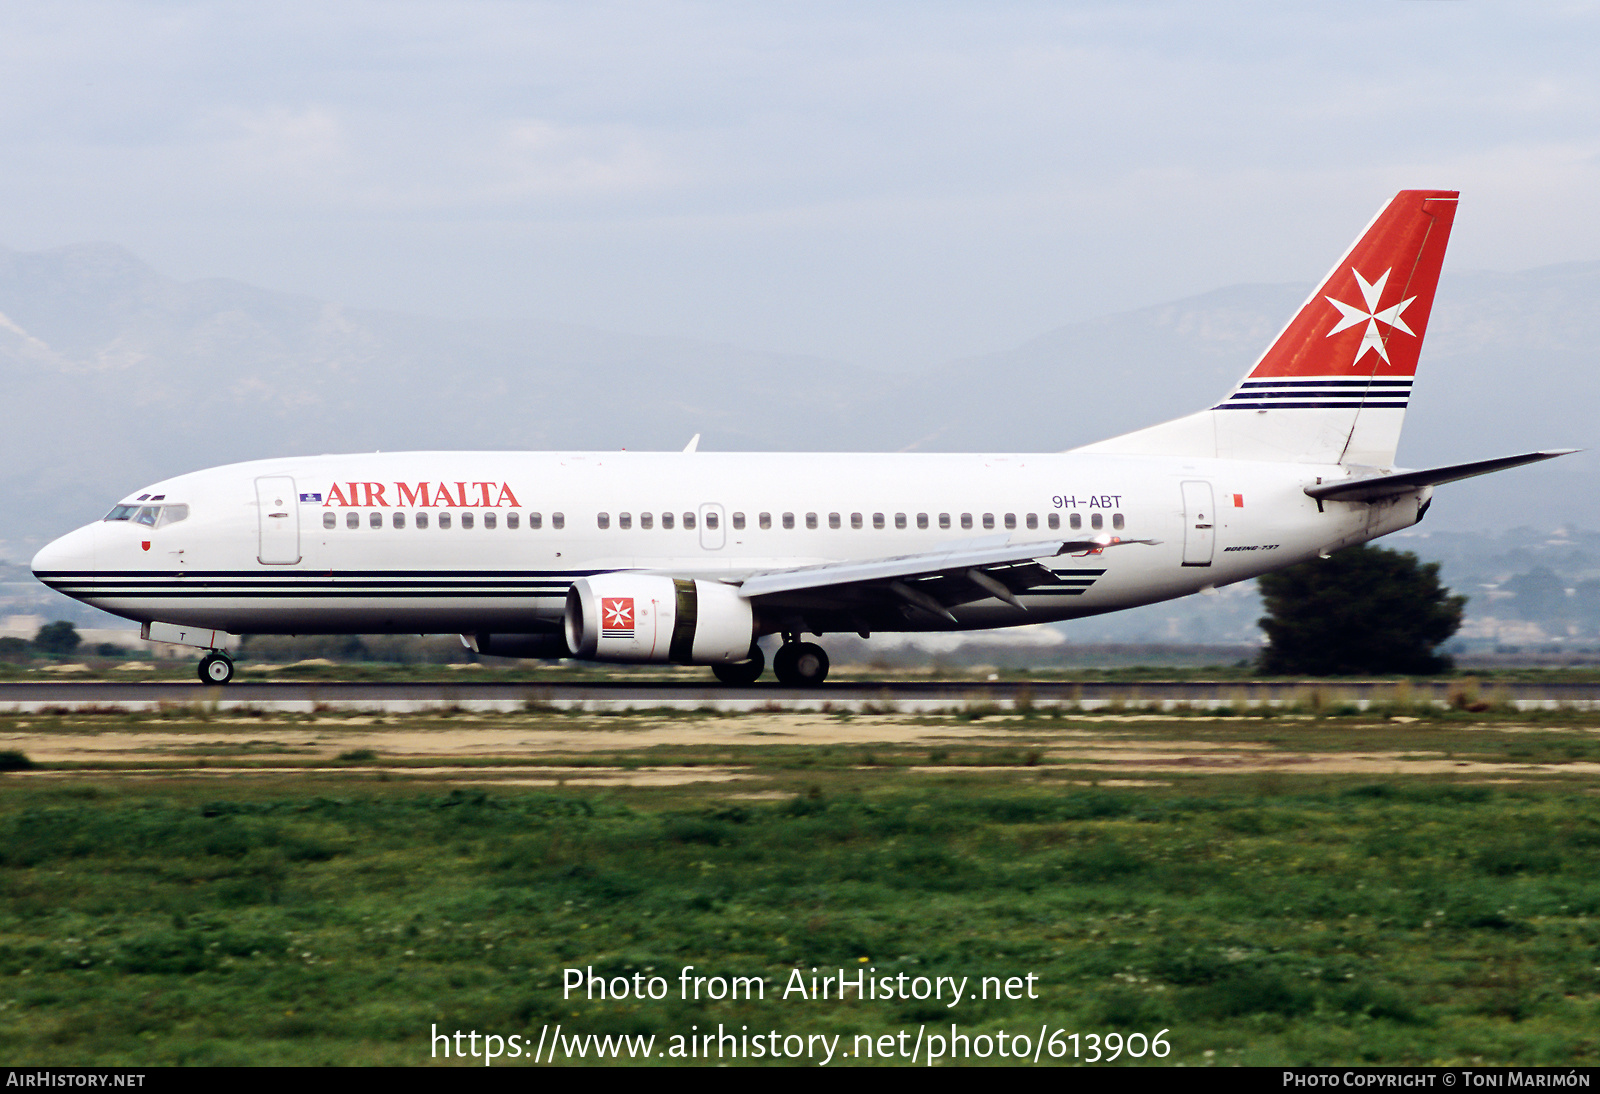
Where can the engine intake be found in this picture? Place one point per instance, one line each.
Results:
(644, 617)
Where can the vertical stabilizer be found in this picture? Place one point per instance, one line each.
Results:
(1333, 386)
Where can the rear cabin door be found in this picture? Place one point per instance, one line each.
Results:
(1199, 524)
(278, 510)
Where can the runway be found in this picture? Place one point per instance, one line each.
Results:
(856, 696)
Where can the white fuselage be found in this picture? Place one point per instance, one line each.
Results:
(255, 552)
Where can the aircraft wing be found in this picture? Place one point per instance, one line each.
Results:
(1372, 487)
(933, 581)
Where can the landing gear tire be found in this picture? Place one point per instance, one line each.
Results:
(215, 669)
(742, 673)
(800, 664)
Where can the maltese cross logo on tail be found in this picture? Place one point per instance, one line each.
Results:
(1371, 293)
(616, 617)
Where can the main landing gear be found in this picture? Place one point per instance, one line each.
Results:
(216, 668)
(742, 673)
(800, 664)
(797, 664)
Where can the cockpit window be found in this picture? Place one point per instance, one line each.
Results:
(151, 516)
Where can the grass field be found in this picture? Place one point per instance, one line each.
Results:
(1402, 887)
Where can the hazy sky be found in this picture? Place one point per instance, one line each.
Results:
(889, 184)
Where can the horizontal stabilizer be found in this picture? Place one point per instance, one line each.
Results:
(1373, 487)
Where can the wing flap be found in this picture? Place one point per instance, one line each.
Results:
(947, 576)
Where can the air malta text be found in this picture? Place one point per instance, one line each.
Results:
(422, 495)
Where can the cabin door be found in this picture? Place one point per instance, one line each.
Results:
(1199, 524)
(278, 508)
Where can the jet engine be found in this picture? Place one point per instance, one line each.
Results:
(645, 617)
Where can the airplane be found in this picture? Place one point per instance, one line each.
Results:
(692, 557)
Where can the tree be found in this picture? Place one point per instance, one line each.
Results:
(1363, 610)
(57, 637)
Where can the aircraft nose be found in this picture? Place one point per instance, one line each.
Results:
(73, 551)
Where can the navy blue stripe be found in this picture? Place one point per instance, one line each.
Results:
(1310, 406)
(1311, 393)
(282, 573)
(1325, 383)
(177, 593)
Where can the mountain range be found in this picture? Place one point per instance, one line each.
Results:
(116, 375)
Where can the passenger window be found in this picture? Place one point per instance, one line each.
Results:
(466, 520)
(738, 522)
(988, 520)
(558, 521)
(1096, 520)
(944, 520)
(899, 520)
(375, 519)
(922, 521)
(1033, 520)
(1076, 521)
(328, 519)
(966, 520)
(688, 522)
(711, 520)
(535, 520)
(444, 519)
(811, 520)
(513, 520)
(352, 519)
(603, 520)
(624, 520)
(647, 520)
(855, 520)
(398, 520)
(877, 520)
(833, 520)
(1011, 520)
(422, 520)
(489, 520)
(764, 520)
(1116, 521)
(788, 520)
(666, 520)
(1053, 520)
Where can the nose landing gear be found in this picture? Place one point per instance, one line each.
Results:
(216, 668)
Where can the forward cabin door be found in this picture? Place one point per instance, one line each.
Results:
(1199, 524)
(278, 507)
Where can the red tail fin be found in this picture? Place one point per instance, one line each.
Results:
(1333, 386)
(1368, 316)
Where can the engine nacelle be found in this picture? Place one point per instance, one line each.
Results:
(643, 617)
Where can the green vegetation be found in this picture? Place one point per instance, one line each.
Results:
(1262, 918)
(1362, 610)
(60, 637)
